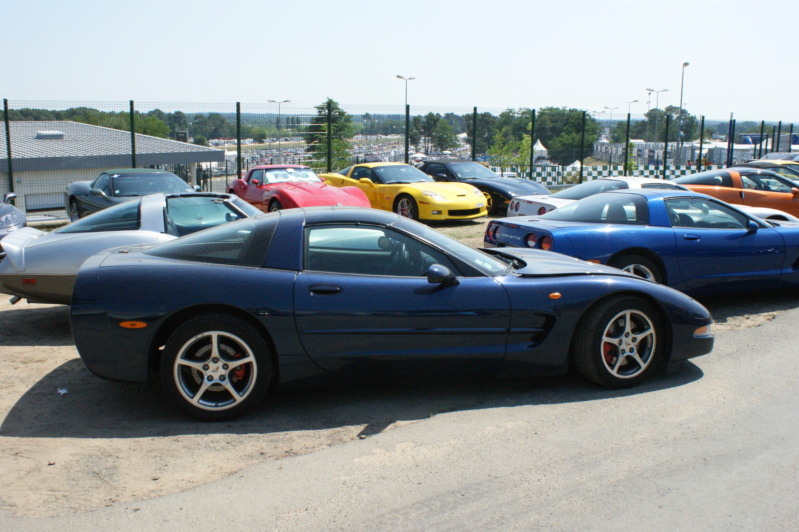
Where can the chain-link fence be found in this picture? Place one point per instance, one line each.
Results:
(48, 144)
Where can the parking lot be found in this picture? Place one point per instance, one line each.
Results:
(70, 442)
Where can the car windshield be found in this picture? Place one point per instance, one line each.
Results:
(471, 170)
(148, 183)
(401, 173)
(291, 175)
(188, 214)
(610, 208)
(590, 188)
(473, 257)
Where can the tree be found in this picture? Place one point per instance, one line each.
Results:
(341, 129)
(486, 125)
(501, 150)
(560, 130)
(444, 136)
(200, 140)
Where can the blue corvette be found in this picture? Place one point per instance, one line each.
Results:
(223, 315)
(687, 240)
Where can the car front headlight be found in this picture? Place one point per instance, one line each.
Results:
(478, 192)
(433, 195)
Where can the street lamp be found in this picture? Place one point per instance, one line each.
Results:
(629, 105)
(279, 134)
(657, 106)
(679, 117)
(610, 121)
(406, 86)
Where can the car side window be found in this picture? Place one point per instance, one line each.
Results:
(368, 250)
(437, 170)
(104, 183)
(362, 172)
(123, 217)
(704, 213)
(257, 174)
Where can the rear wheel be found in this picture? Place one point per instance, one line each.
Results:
(618, 343)
(75, 213)
(638, 265)
(216, 367)
(406, 206)
(275, 206)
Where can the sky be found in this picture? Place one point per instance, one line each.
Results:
(498, 54)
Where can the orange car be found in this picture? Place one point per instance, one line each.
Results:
(746, 186)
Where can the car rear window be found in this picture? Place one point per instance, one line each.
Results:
(242, 243)
(716, 178)
(589, 189)
(610, 208)
(122, 217)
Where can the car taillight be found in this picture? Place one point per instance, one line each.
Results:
(546, 242)
(491, 233)
(542, 210)
(530, 240)
(495, 233)
(515, 206)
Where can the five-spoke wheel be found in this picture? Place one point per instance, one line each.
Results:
(638, 265)
(406, 206)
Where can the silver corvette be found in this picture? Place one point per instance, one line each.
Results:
(11, 218)
(41, 267)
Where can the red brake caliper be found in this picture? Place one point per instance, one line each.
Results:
(238, 373)
(607, 352)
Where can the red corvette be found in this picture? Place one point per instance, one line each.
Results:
(275, 187)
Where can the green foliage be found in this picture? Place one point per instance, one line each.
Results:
(152, 123)
(486, 126)
(444, 136)
(559, 129)
(200, 140)
(502, 150)
(341, 129)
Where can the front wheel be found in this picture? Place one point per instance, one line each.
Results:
(74, 210)
(490, 209)
(618, 343)
(406, 206)
(216, 367)
(275, 206)
(638, 265)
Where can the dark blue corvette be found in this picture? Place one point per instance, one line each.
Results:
(687, 240)
(223, 315)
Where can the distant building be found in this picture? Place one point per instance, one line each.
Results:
(48, 155)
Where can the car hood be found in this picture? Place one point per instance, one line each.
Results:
(549, 201)
(518, 187)
(448, 190)
(540, 263)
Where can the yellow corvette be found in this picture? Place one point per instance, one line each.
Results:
(410, 192)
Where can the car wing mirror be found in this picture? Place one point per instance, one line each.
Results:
(751, 227)
(8, 197)
(196, 188)
(97, 192)
(366, 181)
(439, 274)
(255, 182)
(795, 192)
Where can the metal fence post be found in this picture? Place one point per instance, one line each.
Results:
(666, 146)
(132, 136)
(762, 132)
(779, 134)
(582, 147)
(773, 138)
(730, 141)
(627, 146)
(238, 140)
(407, 130)
(474, 134)
(532, 143)
(790, 139)
(329, 136)
(8, 146)
(701, 141)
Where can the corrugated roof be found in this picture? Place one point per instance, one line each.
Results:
(36, 146)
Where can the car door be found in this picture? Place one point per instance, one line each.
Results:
(371, 189)
(96, 202)
(439, 172)
(768, 190)
(715, 245)
(252, 192)
(363, 303)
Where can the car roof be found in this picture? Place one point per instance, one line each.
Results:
(123, 171)
(445, 161)
(332, 214)
(372, 165)
(655, 193)
(277, 166)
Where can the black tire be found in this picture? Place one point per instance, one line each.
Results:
(406, 206)
(619, 342)
(275, 206)
(638, 265)
(74, 213)
(240, 374)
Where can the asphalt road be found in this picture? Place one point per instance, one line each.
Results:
(712, 447)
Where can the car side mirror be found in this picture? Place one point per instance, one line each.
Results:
(97, 192)
(795, 192)
(8, 197)
(366, 181)
(751, 227)
(439, 274)
(255, 182)
(196, 188)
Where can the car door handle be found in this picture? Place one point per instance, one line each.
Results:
(324, 289)
(690, 236)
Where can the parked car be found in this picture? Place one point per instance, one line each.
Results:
(686, 240)
(408, 191)
(116, 186)
(781, 156)
(530, 205)
(11, 218)
(42, 266)
(498, 191)
(746, 186)
(788, 169)
(305, 293)
(275, 187)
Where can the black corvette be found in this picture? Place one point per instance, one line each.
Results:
(223, 315)
(497, 190)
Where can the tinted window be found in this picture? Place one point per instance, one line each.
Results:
(716, 178)
(257, 174)
(765, 182)
(584, 190)
(295, 175)
(243, 243)
(188, 214)
(149, 183)
(104, 183)
(122, 217)
(471, 170)
(368, 250)
(604, 208)
(401, 173)
(704, 213)
(665, 186)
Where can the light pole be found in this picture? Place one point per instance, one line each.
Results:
(629, 105)
(657, 106)
(610, 120)
(407, 115)
(679, 117)
(279, 134)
